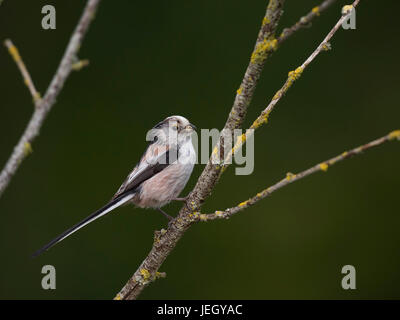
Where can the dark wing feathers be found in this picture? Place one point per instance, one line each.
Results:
(169, 156)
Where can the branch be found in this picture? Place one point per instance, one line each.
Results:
(165, 240)
(24, 71)
(290, 177)
(305, 21)
(43, 106)
(292, 77)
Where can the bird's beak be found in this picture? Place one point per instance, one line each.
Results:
(191, 127)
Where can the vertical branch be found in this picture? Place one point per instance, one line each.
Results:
(292, 77)
(265, 45)
(165, 243)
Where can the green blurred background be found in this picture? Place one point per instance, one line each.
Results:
(152, 59)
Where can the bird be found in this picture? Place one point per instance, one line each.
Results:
(157, 179)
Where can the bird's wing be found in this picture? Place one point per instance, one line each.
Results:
(155, 160)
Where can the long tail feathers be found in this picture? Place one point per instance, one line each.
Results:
(99, 213)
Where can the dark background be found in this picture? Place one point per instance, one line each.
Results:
(151, 59)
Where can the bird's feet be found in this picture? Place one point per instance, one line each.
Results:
(184, 199)
(170, 218)
(166, 215)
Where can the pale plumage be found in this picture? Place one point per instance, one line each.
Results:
(157, 179)
(165, 186)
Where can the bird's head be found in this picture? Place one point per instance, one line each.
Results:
(174, 130)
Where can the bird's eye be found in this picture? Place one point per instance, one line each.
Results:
(174, 127)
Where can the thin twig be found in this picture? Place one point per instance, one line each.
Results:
(24, 71)
(290, 177)
(292, 77)
(43, 106)
(305, 21)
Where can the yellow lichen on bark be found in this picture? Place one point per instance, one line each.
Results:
(394, 135)
(324, 166)
(262, 50)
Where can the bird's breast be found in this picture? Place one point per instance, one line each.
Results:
(164, 186)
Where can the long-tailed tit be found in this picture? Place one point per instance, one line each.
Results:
(157, 179)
